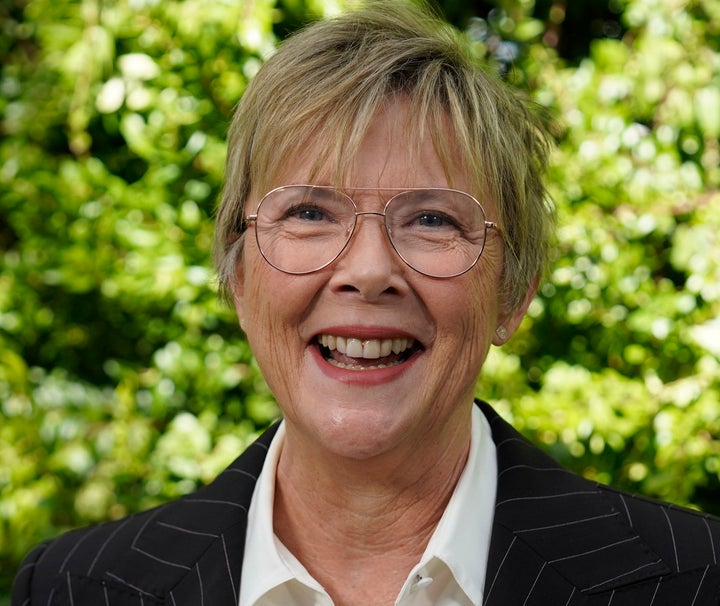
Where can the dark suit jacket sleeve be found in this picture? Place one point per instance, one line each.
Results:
(24, 577)
(185, 553)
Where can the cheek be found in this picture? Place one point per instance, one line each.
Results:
(262, 286)
(275, 306)
(470, 313)
(475, 300)
(477, 326)
(271, 330)
(268, 306)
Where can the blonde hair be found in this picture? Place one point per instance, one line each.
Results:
(327, 82)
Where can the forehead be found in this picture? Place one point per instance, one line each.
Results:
(390, 149)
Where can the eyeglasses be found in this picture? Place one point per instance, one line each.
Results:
(438, 232)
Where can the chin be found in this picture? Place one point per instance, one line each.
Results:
(362, 432)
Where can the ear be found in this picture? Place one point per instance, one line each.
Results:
(509, 320)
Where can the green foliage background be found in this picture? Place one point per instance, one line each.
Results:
(124, 382)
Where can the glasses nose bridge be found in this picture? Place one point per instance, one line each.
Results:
(377, 213)
(359, 213)
(353, 234)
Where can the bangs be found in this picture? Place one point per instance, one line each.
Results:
(327, 141)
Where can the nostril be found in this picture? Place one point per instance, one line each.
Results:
(350, 288)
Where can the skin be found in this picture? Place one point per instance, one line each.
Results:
(371, 457)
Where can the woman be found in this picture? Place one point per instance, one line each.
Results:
(383, 224)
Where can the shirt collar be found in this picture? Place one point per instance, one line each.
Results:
(267, 563)
(462, 537)
(460, 541)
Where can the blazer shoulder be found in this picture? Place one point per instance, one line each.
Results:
(88, 552)
(683, 537)
(596, 542)
(147, 553)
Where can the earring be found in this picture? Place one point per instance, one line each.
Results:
(501, 332)
(243, 324)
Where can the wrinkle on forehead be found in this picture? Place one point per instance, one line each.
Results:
(322, 160)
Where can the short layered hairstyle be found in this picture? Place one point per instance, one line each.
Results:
(321, 90)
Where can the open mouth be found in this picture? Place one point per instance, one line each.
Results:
(366, 354)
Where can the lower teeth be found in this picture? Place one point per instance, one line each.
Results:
(359, 367)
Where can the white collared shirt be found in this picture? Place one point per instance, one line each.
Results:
(451, 571)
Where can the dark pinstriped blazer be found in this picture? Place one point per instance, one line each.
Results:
(557, 539)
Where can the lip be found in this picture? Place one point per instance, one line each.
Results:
(370, 376)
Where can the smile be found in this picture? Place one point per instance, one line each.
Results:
(365, 354)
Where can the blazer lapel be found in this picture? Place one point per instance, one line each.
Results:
(555, 535)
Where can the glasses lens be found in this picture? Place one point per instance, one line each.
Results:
(301, 229)
(438, 232)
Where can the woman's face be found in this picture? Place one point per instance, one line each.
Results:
(369, 296)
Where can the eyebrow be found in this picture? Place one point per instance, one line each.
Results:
(294, 192)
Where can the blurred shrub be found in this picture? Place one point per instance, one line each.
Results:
(123, 381)
(616, 369)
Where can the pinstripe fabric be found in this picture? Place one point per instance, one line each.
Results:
(557, 540)
(187, 552)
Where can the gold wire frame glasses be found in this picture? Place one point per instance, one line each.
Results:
(438, 232)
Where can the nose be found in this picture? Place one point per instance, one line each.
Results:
(369, 265)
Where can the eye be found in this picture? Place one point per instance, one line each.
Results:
(434, 219)
(307, 213)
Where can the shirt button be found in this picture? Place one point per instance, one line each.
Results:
(421, 581)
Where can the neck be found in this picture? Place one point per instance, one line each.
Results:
(364, 519)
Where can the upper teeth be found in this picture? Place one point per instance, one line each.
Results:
(371, 349)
